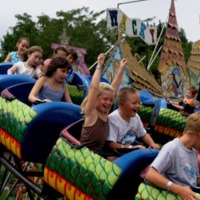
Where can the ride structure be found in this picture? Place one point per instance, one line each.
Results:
(176, 76)
(80, 65)
(172, 66)
(135, 74)
(193, 64)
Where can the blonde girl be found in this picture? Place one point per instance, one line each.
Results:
(96, 107)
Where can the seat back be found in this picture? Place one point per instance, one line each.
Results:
(45, 129)
(9, 80)
(81, 82)
(4, 66)
(73, 129)
(21, 91)
(131, 164)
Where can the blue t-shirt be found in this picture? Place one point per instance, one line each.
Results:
(14, 58)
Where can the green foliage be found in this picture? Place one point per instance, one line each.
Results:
(82, 26)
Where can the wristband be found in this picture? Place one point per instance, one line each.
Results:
(168, 185)
(122, 146)
(98, 67)
(130, 146)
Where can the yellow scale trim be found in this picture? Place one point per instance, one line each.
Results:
(10, 142)
(63, 186)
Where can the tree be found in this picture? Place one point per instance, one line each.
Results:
(84, 28)
(25, 27)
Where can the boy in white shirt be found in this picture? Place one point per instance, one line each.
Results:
(125, 124)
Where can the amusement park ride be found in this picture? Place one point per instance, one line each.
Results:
(40, 152)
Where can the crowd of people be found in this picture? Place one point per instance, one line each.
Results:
(176, 168)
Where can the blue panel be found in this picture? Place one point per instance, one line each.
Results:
(80, 81)
(146, 97)
(4, 67)
(44, 130)
(9, 80)
(131, 164)
(21, 91)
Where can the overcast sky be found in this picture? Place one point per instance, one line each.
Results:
(187, 11)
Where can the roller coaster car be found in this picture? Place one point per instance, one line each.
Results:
(19, 91)
(153, 192)
(68, 153)
(33, 135)
(11, 80)
(76, 172)
(73, 132)
(28, 134)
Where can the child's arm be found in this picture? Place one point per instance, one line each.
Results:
(177, 106)
(67, 96)
(35, 90)
(118, 78)
(159, 180)
(8, 57)
(198, 179)
(90, 107)
(147, 139)
(12, 69)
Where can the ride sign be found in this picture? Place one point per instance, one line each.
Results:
(133, 27)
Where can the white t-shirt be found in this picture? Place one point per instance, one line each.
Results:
(30, 72)
(122, 131)
(177, 163)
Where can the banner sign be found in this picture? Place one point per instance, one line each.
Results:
(133, 27)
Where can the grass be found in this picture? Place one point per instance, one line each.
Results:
(6, 190)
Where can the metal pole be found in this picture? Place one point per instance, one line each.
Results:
(136, 1)
(105, 54)
(147, 55)
(129, 2)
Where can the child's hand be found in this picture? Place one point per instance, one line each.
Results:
(101, 59)
(139, 147)
(156, 146)
(185, 192)
(128, 146)
(41, 74)
(47, 100)
(169, 101)
(123, 63)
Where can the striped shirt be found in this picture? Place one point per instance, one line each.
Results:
(48, 93)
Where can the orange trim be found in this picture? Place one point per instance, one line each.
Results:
(145, 124)
(63, 186)
(167, 131)
(11, 143)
